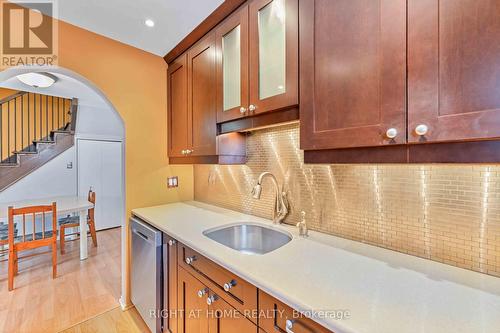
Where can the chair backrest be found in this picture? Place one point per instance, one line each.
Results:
(91, 199)
(35, 214)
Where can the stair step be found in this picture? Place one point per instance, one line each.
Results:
(22, 152)
(43, 141)
(9, 165)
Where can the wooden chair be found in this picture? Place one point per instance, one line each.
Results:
(33, 240)
(74, 222)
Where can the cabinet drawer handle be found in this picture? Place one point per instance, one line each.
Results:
(183, 152)
(171, 242)
(190, 260)
(212, 299)
(229, 285)
(202, 292)
(252, 108)
(243, 110)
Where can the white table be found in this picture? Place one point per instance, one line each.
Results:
(65, 205)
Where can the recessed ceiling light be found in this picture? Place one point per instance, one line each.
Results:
(149, 23)
(37, 80)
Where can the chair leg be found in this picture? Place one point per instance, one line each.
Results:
(16, 264)
(54, 259)
(93, 233)
(61, 238)
(11, 269)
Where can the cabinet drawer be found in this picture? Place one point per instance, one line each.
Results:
(240, 294)
(280, 314)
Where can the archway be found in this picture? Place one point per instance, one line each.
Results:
(92, 94)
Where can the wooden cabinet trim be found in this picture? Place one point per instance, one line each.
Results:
(225, 9)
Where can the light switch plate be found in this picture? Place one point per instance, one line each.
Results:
(173, 182)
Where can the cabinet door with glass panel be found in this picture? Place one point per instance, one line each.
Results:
(257, 67)
(232, 66)
(273, 43)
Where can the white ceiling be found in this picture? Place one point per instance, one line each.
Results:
(123, 20)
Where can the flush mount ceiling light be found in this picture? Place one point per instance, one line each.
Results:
(37, 80)
(149, 23)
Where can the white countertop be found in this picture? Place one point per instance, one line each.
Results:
(384, 291)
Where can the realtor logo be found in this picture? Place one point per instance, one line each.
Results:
(29, 33)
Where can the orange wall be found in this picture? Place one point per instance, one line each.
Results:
(135, 82)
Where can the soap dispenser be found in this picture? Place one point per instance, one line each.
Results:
(302, 225)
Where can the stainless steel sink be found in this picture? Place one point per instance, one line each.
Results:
(249, 238)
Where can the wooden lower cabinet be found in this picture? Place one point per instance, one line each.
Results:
(204, 307)
(223, 318)
(282, 314)
(197, 316)
(192, 309)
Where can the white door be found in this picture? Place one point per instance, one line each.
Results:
(100, 168)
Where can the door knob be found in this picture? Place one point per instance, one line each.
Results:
(421, 129)
(252, 108)
(391, 133)
(289, 326)
(243, 110)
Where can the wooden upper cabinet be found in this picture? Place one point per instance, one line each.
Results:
(453, 70)
(352, 73)
(273, 50)
(177, 107)
(201, 92)
(232, 66)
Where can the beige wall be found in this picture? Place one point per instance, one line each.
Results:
(447, 213)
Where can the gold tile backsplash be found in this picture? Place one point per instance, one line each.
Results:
(447, 213)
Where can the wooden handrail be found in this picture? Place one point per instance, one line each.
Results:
(11, 97)
(32, 119)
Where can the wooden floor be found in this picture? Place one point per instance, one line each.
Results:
(82, 290)
(113, 321)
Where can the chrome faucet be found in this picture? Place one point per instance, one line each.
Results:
(281, 202)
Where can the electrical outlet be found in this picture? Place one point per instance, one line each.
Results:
(173, 182)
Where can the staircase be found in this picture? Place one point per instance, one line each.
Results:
(34, 128)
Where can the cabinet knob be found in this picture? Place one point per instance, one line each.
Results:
(243, 110)
(212, 299)
(252, 108)
(202, 292)
(391, 133)
(421, 129)
(190, 260)
(229, 285)
(171, 242)
(183, 152)
(289, 326)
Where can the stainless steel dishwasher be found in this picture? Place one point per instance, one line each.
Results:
(146, 272)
